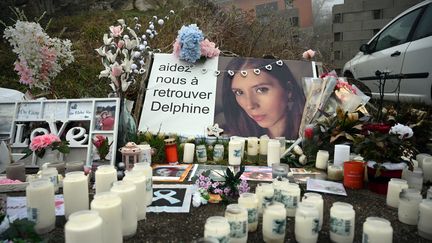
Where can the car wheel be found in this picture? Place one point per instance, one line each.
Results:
(350, 78)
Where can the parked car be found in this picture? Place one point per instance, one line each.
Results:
(402, 53)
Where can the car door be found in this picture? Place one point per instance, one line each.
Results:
(417, 63)
(386, 53)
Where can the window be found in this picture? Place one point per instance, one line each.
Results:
(294, 21)
(338, 18)
(289, 4)
(397, 33)
(424, 27)
(337, 55)
(377, 14)
(338, 36)
(375, 31)
(266, 9)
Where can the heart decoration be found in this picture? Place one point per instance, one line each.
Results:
(279, 62)
(203, 71)
(216, 73)
(243, 73)
(269, 67)
(231, 73)
(257, 71)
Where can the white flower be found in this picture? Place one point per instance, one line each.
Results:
(298, 150)
(303, 159)
(107, 41)
(101, 51)
(401, 130)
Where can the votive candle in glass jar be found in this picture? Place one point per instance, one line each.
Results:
(422, 156)
(274, 222)
(252, 146)
(108, 205)
(218, 152)
(105, 175)
(147, 170)
(59, 165)
(342, 222)
(234, 152)
(51, 174)
(75, 192)
(288, 194)
(322, 159)
(377, 230)
(263, 145)
(282, 142)
(145, 153)
(280, 170)
(249, 201)
(306, 223)
(237, 217)
(138, 178)
(334, 172)
(425, 218)
(217, 227)
(188, 153)
(341, 154)
(427, 169)
(171, 155)
(408, 210)
(273, 152)
(395, 187)
(127, 192)
(40, 205)
(84, 226)
(415, 179)
(265, 194)
(201, 153)
(318, 201)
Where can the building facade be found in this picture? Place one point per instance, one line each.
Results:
(355, 22)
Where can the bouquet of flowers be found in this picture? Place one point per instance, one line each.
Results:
(41, 143)
(190, 45)
(40, 58)
(102, 145)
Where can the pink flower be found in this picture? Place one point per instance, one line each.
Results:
(43, 141)
(308, 132)
(343, 84)
(24, 72)
(98, 141)
(309, 54)
(209, 49)
(176, 48)
(120, 44)
(116, 70)
(116, 31)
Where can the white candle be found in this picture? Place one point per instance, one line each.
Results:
(425, 218)
(75, 192)
(217, 227)
(145, 153)
(138, 178)
(317, 200)
(415, 179)
(84, 226)
(234, 152)
(334, 172)
(341, 154)
(237, 217)
(274, 223)
(127, 193)
(51, 174)
(218, 152)
(263, 142)
(243, 143)
(105, 175)
(188, 152)
(427, 169)
(40, 205)
(377, 230)
(108, 205)
(408, 210)
(422, 156)
(265, 193)
(322, 158)
(273, 152)
(395, 186)
(282, 142)
(342, 222)
(306, 223)
(201, 153)
(249, 201)
(147, 170)
(252, 146)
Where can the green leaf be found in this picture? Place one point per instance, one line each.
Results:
(229, 173)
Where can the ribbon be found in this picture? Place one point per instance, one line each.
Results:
(167, 195)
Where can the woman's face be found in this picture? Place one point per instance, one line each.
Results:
(164, 172)
(262, 98)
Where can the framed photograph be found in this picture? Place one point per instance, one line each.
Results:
(257, 173)
(105, 116)
(171, 199)
(174, 173)
(217, 172)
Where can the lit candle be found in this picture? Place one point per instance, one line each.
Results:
(52, 175)
(201, 153)
(415, 178)
(377, 230)
(427, 169)
(408, 210)
(317, 200)
(273, 152)
(425, 218)
(265, 193)
(421, 157)
(395, 186)
(127, 192)
(306, 223)
(274, 223)
(147, 170)
(234, 152)
(249, 201)
(74, 166)
(105, 175)
(252, 146)
(322, 159)
(16, 171)
(145, 153)
(237, 217)
(138, 178)
(217, 227)
(341, 154)
(75, 192)
(188, 152)
(84, 226)
(40, 205)
(108, 205)
(218, 152)
(342, 222)
(334, 172)
(263, 143)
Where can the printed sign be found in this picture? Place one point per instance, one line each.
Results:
(171, 198)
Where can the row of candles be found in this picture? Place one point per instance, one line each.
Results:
(115, 208)
(281, 199)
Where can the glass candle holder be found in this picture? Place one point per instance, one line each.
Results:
(408, 210)
(415, 179)
(322, 159)
(274, 222)
(280, 170)
(342, 222)
(108, 205)
(139, 180)
(334, 172)
(51, 174)
(59, 165)
(377, 230)
(75, 192)
(201, 153)
(265, 194)
(218, 152)
(249, 201)
(105, 175)
(395, 187)
(127, 192)
(234, 152)
(145, 153)
(147, 170)
(306, 222)
(217, 227)
(171, 155)
(84, 226)
(425, 218)
(40, 205)
(273, 152)
(237, 217)
(317, 200)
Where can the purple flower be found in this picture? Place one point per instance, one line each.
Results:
(243, 187)
(201, 177)
(202, 184)
(226, 191)
(218, 191)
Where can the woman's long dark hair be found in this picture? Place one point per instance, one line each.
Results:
(236, 118)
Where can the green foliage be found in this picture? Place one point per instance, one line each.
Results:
(21, 230)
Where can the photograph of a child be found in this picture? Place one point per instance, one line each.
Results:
(262, 97)
(105, 116)
(170, 172)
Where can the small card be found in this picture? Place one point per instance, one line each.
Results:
(325, 186)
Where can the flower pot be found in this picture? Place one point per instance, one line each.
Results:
(378, 184)
(50, 156)
(353, 174)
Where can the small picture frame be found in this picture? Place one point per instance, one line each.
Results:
(172, 173)
(104, 116)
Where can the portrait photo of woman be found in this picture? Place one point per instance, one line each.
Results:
(257, 100)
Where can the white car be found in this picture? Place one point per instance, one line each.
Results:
(402, 53)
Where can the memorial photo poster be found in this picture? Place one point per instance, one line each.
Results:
(186, 99)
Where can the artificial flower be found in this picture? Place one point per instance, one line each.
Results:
(116, 31)
(41, 143)
(309, 54)
(404, 132)
(209, 49)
